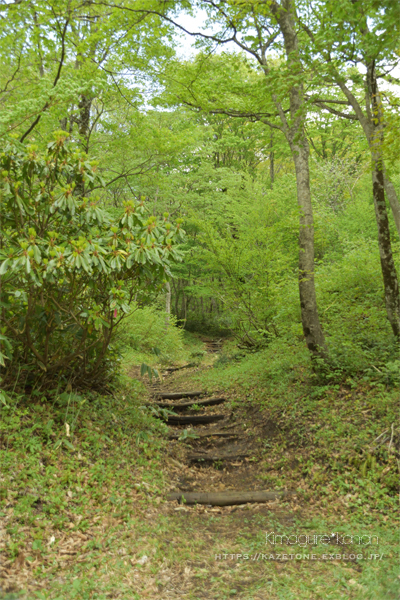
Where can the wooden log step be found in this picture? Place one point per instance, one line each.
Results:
(183, 405)
(230, 425)
(224, 498)
(173, 369)
(177, 395)
(176, 436)
(216, 457)
(193, 419)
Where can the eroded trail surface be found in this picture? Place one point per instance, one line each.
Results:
(216, 443)
(215, 438)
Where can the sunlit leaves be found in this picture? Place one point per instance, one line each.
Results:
(70, 269)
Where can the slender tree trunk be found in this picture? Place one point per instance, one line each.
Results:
(389, 274)
(271, 160)
(308, 299)
(167, 303)
(393, 200)
(178, 291)
(295, 135)
(84, 121)
(183, 306)
(372, 123)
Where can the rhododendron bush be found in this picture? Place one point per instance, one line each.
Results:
(69, 271)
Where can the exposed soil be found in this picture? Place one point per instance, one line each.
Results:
(221, 456)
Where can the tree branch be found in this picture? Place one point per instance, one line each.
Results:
(60, 66)
(338, 113)
(12, 76)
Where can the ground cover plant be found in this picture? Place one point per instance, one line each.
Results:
(90, 498)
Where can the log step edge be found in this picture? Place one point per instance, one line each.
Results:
(224, 498)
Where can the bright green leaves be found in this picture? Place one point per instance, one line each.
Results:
(5, 349)
(70, 269)
(150, 371)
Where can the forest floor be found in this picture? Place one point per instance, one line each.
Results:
(226, 551)
(86, 526)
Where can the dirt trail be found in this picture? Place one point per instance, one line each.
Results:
(225, 453)
(216, 456)
(225, 456)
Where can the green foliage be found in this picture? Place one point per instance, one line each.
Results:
(69, 270)
(86, 247)
(147, 329)
(354, 316)
(150, 371)
(241, 268)
(58, 52)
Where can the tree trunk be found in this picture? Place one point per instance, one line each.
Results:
(84, 121)
(295, 135)
(183, 305)
(167, 303)
(389, 274)
(308, 299)
(393, 200)
(271, 160)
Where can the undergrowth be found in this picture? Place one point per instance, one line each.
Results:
(82, 486)
(328, 428)
(68, 458)
(150, 335)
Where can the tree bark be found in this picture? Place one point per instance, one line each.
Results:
(393, 200)
(84, 106)
(295, 135)
(389, 274)
(372, 130)
(308, 299)
(372, 123)
(167, 303)
(271, 160)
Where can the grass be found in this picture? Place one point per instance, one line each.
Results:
(84, 514)
(328, 429)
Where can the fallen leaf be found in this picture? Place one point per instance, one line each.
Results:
(19, 561)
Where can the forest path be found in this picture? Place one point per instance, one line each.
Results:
(218, 549)
(218, 455)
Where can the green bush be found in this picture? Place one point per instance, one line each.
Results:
(69, 271)
(354, 318)
(145, 331)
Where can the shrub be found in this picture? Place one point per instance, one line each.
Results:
(145, 331)
(69, 271)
